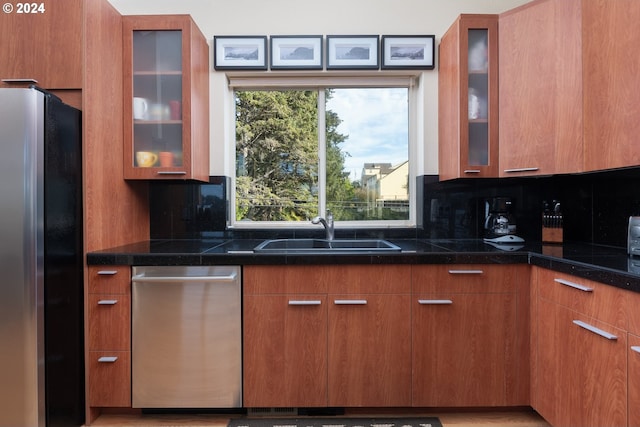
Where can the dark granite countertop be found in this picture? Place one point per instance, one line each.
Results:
(605, 264)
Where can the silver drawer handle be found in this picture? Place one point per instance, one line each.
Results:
(574, 285)
(107, 272)
(472, 171)
(466, 271)
(172, 173)
(434, 301)
(636, 348)
(520, 170)
(107, 302)
(108, 359)
(22, 80)
(350, 302)
(597, 331)
(305, 302)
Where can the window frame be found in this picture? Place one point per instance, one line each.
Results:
(262, 81)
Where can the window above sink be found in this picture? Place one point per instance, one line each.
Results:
(341, 146)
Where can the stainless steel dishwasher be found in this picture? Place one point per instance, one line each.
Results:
(186, 337)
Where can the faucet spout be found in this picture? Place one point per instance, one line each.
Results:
(327, 224)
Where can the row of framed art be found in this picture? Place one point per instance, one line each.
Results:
(351, 52)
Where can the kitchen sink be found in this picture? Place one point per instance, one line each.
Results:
(323, 245)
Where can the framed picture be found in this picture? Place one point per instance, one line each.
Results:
(240, 52)
(353, 52)
(408, 52)
(296, 52)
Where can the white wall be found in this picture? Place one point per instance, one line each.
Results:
(282, 17)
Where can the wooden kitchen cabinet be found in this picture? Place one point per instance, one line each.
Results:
(581, 361)
(326, 336)
(633, 359)
(568, 87)
(541, 124)
(166, 92)
(611, 89)
(468, 98)
(109, 336)
(369, 340)
(470, 335)
(633, 378)
(43, 41)
(285, 337)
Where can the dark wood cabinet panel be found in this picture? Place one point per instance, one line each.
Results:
(46, 46)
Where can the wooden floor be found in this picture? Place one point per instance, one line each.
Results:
(522, 418)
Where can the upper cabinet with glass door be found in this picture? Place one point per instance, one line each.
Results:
(166, 92)
(468, 98)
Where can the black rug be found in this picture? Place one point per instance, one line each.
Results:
(335, 422)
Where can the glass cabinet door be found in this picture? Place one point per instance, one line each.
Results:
(157, 99)
(468, 98)
(478, 97)
(166, 98)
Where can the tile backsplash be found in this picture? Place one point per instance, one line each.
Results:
(596, 207)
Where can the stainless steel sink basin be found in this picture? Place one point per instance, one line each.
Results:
(322, 245)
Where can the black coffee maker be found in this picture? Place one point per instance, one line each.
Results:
(500, 223)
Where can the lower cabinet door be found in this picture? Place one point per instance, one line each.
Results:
(582, 369)
(557, 363)
(369, 350)
(602, 383)
(461, 344)
(285, 351)
(633, 380)
(110, 379)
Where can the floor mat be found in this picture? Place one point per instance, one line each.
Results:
(335, 422)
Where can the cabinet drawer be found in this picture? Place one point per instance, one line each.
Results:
(109, 279)
(321, 279)
(277, 279)
(465, 278)
(590, 298)
(633, 302)
(109, 322)
(110, 378)
(370, 279)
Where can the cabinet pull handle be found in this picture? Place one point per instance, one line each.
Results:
(108, 359)
(27, 80)
(466, 271)
(107, 272)
(350, 302)
(472, 171)
(304, 302)
(597, 331)
(636, 348)
(107, 302)
(172, 172)
(515, 170)
(434, 301)
(574, 285)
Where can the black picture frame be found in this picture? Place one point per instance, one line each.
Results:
(296, 53)
(240, 52)
(353, 52)
(408, 52)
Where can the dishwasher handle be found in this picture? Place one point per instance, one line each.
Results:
(164, 279)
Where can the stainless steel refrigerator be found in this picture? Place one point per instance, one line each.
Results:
(41, 278)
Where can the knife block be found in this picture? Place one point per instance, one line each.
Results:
(552, 234)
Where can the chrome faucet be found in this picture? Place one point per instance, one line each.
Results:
(327, 223)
